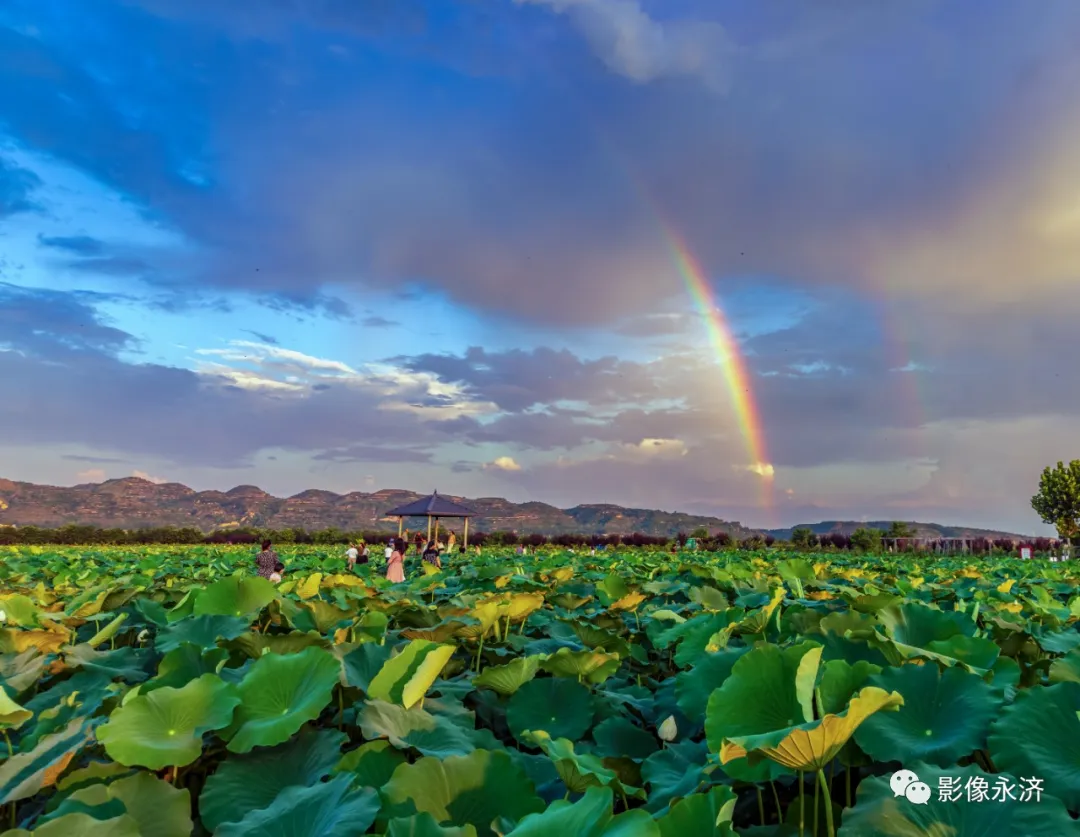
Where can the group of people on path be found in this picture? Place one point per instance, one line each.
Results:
(269, 566)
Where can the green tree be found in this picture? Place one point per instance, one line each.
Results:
(700, 533)
(802, 537)
(867, 540)
(1058, 500)
(900, 529)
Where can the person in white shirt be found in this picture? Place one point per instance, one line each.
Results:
(351, 554)
(389, 551)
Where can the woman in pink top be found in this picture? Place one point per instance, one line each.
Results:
(395, 567)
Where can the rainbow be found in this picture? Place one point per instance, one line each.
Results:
(730, 359)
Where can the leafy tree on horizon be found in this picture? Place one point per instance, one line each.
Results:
(900, 529)
(1058, 499)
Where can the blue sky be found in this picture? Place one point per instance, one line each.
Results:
(420, 244)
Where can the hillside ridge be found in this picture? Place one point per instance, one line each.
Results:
(133, 502)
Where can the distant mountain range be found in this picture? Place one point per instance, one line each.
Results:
(132, 503)
(922, 530)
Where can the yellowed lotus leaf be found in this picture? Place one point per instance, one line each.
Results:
(48, 642)
(11, 713)
(820, 568)
(309, 587)
(521, 605)
(339, 580)
(50, 776)
(820, 596)
(440, 633)
(970, 572)
(1006, 585)
(341, 635)
(1012, 607)
(502, 581)
(287, 586)
(629, 602)
(563, 574)
(810, 748)
(92, 607)
(854, 573)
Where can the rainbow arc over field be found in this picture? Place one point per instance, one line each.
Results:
(728, 356)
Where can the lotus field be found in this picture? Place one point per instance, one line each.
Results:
(167, 691)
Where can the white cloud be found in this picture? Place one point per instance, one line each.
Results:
(149, 477)
(502, 463)
(91, 475)
(642, 48)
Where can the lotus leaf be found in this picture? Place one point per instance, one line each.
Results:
(165, 727)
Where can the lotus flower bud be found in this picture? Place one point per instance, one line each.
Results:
(668, 730)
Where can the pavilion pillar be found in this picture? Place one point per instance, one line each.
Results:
(436, 529)
(400, 524)
(466, 542)
(429, 528)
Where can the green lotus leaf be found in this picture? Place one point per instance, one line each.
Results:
(840, 681)
(758, 697)
(693, 687)
(184, 664)
(279, 695)
(372, 764)
(406, 677)
(674, 772)
(20, 611)
(132, 665)
(327, 809)
(1066, 669)
(250, 782)
(360, 665)
(945, 716)
(201, 631)
(811, 746)
(1039, 735)
(559, 706)
(431, 735)
(11, 714)
(463, 790)
(1058, 642)
(580, 771)
(165, 727)
(917, 625)
(594, 637)
(425, 825)
(702, 815)
(590, 816)
(26, 773)
(507, 679)
(698, 635)
(84, 825)
(255, 645)
(591, 665)
(878, 812)
(159, 809)
(618, 736)
(235, 596)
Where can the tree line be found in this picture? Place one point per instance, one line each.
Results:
(862, 540)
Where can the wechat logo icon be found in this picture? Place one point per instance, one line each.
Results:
(905, 783)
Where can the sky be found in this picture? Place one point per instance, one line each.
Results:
(776, 262)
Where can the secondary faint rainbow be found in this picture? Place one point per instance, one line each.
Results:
(726, 349)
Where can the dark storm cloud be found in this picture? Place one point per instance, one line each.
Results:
(262, 338)
(95, 460)
(373, 453)
(516, 380)
(52, 324)
(16, 187)
(80, 245)
(818, 164)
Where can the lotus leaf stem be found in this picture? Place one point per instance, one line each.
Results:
(824, 785)
(760, 805)
(776, 799)
(802, 806)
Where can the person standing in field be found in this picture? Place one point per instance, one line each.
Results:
(365, 553)
(390, 549)
(395, 564)
(351, 554)
(266, 562)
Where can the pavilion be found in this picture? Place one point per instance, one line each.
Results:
(433, 507)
